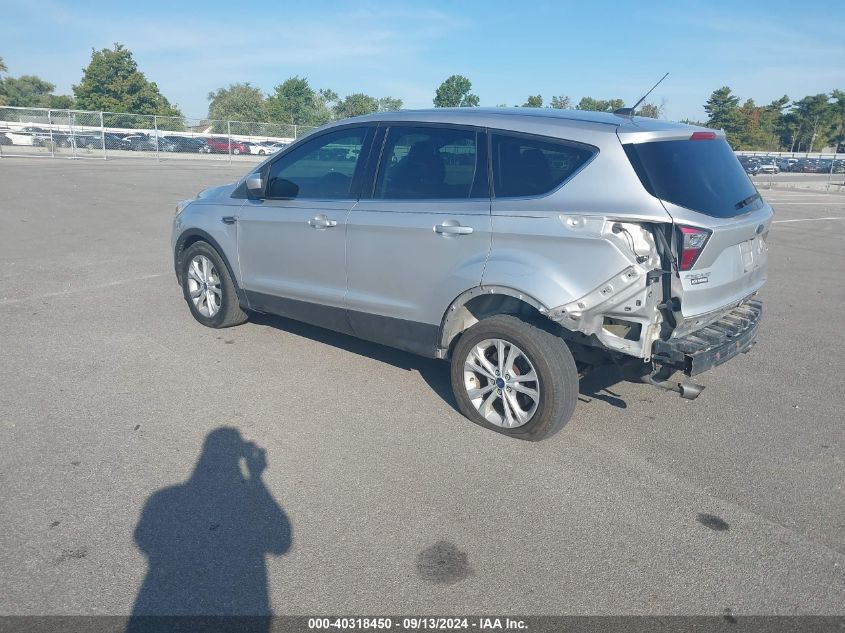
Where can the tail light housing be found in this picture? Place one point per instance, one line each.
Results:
(691, 242)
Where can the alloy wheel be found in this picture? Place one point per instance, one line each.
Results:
(204, 286)
(501, 383)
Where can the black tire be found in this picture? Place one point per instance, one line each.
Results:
(552, 361)
(230, 312)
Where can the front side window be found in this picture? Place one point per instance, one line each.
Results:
(431, 163)
(530, 166)
(322, 168)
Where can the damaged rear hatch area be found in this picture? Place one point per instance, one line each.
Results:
(717, 247)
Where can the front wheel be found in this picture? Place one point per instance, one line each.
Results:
(208, 288)
(515, 378)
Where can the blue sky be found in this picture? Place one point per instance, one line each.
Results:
(405, 49)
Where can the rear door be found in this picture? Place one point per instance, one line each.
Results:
(291, 244)
(703, 187)
(421, 237)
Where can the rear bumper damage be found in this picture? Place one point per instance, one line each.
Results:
(714, 344)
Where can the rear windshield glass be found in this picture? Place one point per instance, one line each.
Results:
(702, 175)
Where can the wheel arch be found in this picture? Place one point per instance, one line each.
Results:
(481, 302)
(192, 236)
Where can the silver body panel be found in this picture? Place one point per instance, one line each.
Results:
(281, 254)
(399, 267)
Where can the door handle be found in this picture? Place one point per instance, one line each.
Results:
(229, 219)
(452, 229)
(321, 222)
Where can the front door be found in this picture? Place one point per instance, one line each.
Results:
(291, 244)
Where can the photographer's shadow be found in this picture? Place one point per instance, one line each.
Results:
(206, 539)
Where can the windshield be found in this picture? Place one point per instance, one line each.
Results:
(702, 175)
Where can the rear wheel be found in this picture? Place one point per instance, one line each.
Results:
(513, 377)
(208, 288)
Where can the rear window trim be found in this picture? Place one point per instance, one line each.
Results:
(595, 151)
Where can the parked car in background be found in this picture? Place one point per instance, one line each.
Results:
(372, 227)
(268, 147)
(28, 136)
(73, 139)
(113, 141)
(221, 145)
(750, 164)
(807, 165)
(165, 144)
(252, 148)
(139, 143)
(187, 143)
(767, 165)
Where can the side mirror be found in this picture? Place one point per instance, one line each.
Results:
(255, 185)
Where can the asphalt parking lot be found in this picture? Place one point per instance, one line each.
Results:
(378, 497)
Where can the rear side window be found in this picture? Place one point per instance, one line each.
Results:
(432, 163)
(702, 175)
(530, 166)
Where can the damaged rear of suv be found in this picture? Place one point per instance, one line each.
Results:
(684, 301)
(524, 246)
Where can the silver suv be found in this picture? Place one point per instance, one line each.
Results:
(525, 246)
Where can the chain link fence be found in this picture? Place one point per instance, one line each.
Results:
(48, 133)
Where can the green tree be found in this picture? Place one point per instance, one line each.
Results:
(723, 113)
(818, 121)
(600, 105)
(3, 68)
(533, 101)
(561, 102)
(60, 102)
(650, 110)
(295, 102)
(113, 83)
(389, 104)
(455, 92)
(27, 91)
(772, 123)
(355, 105)
(750, 134)
(324, 102)
(238, 102)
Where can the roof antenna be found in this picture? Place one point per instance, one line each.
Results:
(629, 112)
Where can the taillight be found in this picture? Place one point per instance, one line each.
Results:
(692, 243)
